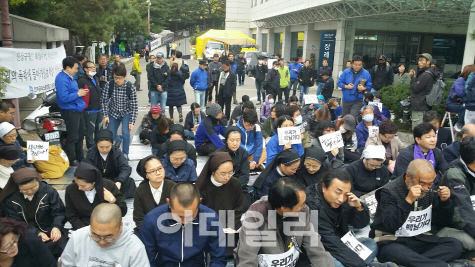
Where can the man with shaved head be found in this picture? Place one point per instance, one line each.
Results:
(412, 191)
(461, 180)
(451, 153)
(180, 232)
(106, 242)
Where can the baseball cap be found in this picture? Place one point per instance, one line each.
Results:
(203, 62)
(426, 55)
(382, 57)
(215, 55)
(160, 55)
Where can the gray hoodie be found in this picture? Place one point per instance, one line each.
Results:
(127, 251)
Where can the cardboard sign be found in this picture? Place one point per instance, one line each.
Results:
(310, 99)
(331, 141)
(370, 200)
(287, 259)
(350, 241)
(289, 134)
(378, 104)
(38, 150)
(417, 222)
(373, 130)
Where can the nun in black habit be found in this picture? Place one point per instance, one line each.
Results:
(313, 165)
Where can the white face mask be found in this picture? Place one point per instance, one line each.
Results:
(271, 101)
(298, 120)
(342, 129)
(276, 68)
(92, 73)
(261, 62)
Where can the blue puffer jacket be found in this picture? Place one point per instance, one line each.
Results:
(362, 133)
(251, 141)
(186, 172)
(349, 76)
(199, 79)
(457, 88)
(67, 93)
(294, 75)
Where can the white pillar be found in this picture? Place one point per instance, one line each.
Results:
(270, 42)
(311, 42)
(286, 43)
(339, 49)
(469, 53)
(259, 38)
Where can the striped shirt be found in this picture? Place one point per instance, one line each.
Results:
(118, 104)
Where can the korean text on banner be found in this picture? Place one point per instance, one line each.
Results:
(351, 242)
(418, 222)
(37, 150)
(289, 134)
(310, 99)
(378, 104)
(286, 259)
(373, 130)
(31, 70)
(331, 141)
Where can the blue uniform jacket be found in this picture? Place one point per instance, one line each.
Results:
(347, 77)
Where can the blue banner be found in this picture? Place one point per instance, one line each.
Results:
(327, 47)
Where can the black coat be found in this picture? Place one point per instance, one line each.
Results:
(50, 210)
(144, 202)
(443, 137)
(93, 97)
(240, 163)
(190, 151)
(158, 76)
(32, 252)
(421, 87)
(333, 225)
(382, 77)
(78, 208)
(229, 87)
(272, 82)
(327, 89)
(189, 123)
(176, 92)
(259, 72)
(407, 155)
(305, 74)
(452, 152)
(365, 181)
(241, 63)
(308, 179)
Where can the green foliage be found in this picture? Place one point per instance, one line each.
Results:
(392, 96)
(4, 80)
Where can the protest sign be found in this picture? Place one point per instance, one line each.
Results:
(350, 241)
(38, 150)
(289, 134)
(373, 130)
(377, 104)
(310, 99)
(331, 141)
(370, 201)
(286, 259)
(31, 70)
(417, 222)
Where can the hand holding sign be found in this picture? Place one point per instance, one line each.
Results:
(310, 99)
(289, 134)
(331, 141)
(36, 150)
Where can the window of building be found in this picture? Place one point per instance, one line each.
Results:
(449, 48)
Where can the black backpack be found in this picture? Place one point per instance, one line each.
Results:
(185, 69)
(128, 90)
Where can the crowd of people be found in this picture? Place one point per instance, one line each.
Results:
(255, 198)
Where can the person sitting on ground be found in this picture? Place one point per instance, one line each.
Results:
(239, 156)
(313, 165)
(451, 153)
(443, 135)
(107, 241)
(149, 122)
(239, 109)
(177, 133)
(284, 205)
(387, 137)
(379, 99)
(273, 147)
(177, 165)
(268, 127)
(266, 108)
(423, 148)
(362, 130)
(312, 119)
(252, 142)
(285, 164)
(409, 192)
(347, 126)
(369, 98)
(369, 173)
(328, 85)
(8, 156)
(153, 191)
(293, 100)
(335, 109)
(294, 112)
(192, 120)
(7, 112)
(89, 190)
(183, 209)
(115, 167)
(338, 207)
(336, 157)
(19, 247)
(160, 133)
(207, 138)
(8, 136)
(221, 191)
(461, 181)
(26, 199)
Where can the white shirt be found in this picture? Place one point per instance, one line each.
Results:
(91, 195)
(156, 193)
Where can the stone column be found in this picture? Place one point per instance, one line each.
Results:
(469, 52)
(286, 43)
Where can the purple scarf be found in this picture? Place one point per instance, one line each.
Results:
(418, 154)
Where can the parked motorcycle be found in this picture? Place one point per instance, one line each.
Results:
(46, 120)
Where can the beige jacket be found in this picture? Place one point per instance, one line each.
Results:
(396, 144)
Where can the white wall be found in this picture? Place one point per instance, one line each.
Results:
(272, 8)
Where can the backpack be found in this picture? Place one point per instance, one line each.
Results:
(469, 97)
(128, 90)
(185, 69)
(375, 68)
(436, 95)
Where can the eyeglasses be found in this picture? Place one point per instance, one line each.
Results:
(177, 159)
(10, 247)
(91, 67)
(373, 166)
(155, 171)
(107, 239)
(119, 77)
(30, 189)
(312, 167)
(12, 135)
(225, 175)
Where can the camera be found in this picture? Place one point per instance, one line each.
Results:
(406, 108)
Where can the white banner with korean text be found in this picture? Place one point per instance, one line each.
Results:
(31, 70)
